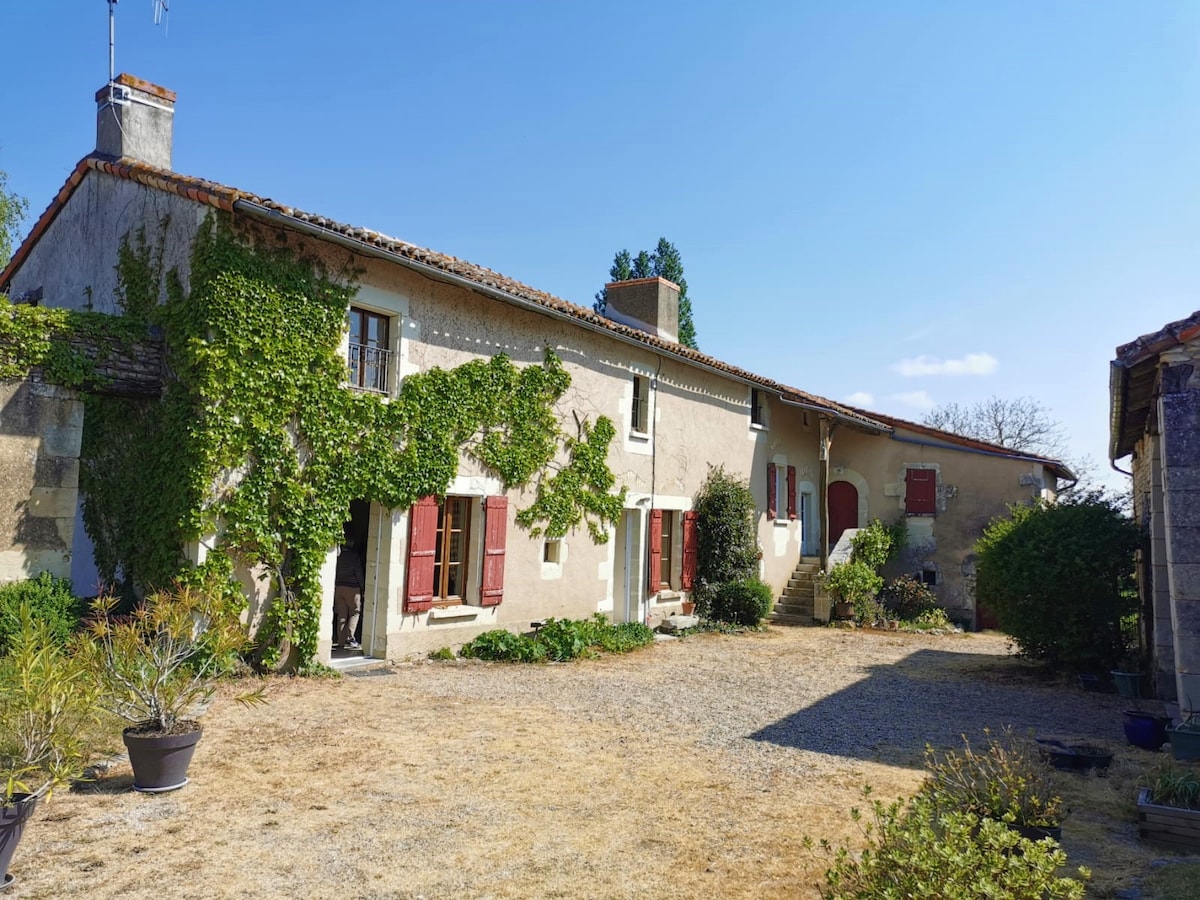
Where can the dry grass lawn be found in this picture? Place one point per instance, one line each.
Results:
(589, 779)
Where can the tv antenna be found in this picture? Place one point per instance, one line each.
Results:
(162, 9)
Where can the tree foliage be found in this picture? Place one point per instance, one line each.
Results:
(664, 262)
(12, 212)
(1059, 578)
(727, 585)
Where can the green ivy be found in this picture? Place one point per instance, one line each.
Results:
(56, 342)
(258, 447)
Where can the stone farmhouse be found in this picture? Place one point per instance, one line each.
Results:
(817, 467)
(1154, 406)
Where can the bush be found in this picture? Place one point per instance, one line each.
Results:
(746, 601)
(1006, 781)
(918, 850)
(560, 640)
(726, 540)
(49, 600)
(929, 620)
(877, 543)
(909, 598)
(856, 582)
(1060, 579)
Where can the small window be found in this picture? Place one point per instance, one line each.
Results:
(640, 409)
(369, 358)
(929, 576)
(758, 408)
(920, 492)
(551, 551)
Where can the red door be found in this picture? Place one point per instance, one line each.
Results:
(843, 509)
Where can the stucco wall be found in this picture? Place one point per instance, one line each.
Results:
(41, 427)
(74, 262)
(972, 488)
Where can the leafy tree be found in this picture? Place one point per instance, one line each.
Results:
(664, 262)
(727, 584)
(12, 213)
(1060, 579)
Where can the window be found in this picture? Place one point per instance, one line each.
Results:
(640, 408)
(920, 492)
(440, 549)
(551, 551)
(370, 355)
(781, 482)
(758, 408)
(929, 575)
(672, 543)
(450, 559)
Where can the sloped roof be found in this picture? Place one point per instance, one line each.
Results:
(968, 443)
(232, 199)
(1132, 377)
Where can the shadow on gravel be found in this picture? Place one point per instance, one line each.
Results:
(931, 697)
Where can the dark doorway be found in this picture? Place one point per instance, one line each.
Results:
(843, 509)
(357, 528)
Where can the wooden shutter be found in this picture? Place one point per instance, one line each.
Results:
(791, 489)
(771, 504)
(655, 543)
(422, 552)
(687, 577)
(495, 531)
(920, 491)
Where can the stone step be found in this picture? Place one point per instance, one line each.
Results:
(785, 607)
(777, 619)
(801, 584)
(807, 568)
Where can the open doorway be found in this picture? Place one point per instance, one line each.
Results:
(351, 574)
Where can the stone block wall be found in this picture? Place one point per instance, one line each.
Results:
(41, 427)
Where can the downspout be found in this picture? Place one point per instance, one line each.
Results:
(1116, 468)
(653, 413)
(826, 447)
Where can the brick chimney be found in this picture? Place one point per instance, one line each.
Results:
(135, 119)
(647, 304)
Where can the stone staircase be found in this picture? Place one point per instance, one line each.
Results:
(797, 603)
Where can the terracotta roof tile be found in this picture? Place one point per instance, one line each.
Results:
(1156, 342)
(223, 197)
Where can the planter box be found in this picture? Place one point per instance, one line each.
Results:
(1168, 825)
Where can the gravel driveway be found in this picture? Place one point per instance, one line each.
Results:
(690, 769)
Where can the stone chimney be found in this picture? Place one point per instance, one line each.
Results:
(647, 304)
(135, 119)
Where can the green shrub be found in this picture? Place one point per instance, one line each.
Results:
(908, 597)
(1060, 579)
(504, 645)
(726, 539)
(1171, 785)
(877, 543)
(442, 653)
(928, 620)
(918, 850)
(746, 601)
(560, 640)
(1006, 781)
(49, 600)
(856, 582)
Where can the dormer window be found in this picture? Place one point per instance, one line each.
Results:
(369, 356)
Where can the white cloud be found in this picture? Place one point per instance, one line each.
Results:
(859, 398)
(971, 364)
(919, 399)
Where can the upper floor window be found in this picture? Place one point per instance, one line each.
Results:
(370, 355)
(920, 492)
(758, 407)
(639, 410)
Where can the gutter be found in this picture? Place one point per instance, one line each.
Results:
(275, 217)
(849, 420)
(1017, 456)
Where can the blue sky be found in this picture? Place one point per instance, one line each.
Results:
(896, 204)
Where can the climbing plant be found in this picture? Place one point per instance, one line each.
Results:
(257, 448)
(62, 344)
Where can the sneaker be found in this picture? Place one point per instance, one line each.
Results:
(353, 645)
(337, 646)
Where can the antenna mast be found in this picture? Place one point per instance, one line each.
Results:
(112, 44)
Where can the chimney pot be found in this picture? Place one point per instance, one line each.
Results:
(135, 119)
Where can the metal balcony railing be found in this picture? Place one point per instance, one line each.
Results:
(369, 367)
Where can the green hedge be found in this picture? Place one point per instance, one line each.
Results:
(50, 600)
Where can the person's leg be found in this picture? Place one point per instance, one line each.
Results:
(353, 610)
(343, 602)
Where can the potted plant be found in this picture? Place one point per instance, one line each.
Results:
(1005, 781)
(854, 587)
(157, 668)
(47, 701)
(1146, 729)
(1168, 807)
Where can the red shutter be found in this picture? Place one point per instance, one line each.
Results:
(688, 577)
(495, 531)
(422, 550)
(771, 504)
(920, 491)
(791, 473)
(655, 543)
